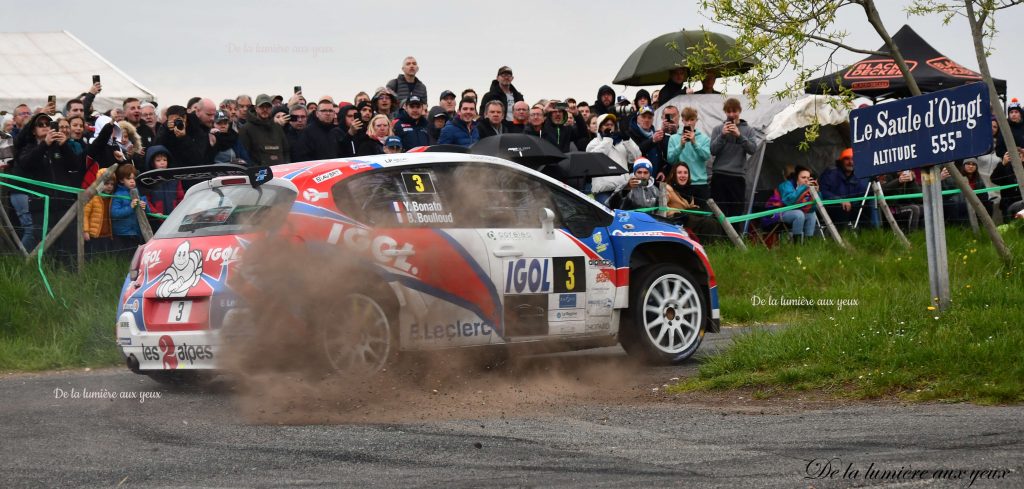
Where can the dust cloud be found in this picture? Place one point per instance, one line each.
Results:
(277, 365)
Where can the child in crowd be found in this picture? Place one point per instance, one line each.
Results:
(125, 226)
(164, 197)
(97, 228)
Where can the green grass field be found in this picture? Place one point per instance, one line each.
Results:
(76, 329)
(890, 342)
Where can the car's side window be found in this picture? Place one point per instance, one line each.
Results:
(499, 198)
(580, 217)
(403, 197)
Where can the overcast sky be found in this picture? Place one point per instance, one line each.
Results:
(219, 49)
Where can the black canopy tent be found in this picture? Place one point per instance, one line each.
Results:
(878, 77)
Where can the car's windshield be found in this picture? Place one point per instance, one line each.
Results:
(230, 209)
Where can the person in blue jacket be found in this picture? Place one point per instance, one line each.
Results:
(125, 226)
(797, 188)
(461, 130)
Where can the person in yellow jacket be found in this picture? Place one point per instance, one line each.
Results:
(97, 227)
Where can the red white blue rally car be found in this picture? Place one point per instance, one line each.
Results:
(462, 250)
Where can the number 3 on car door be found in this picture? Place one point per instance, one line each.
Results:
(567, 274)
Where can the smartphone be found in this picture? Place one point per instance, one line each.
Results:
(669, 117)
(687, 129)
(54, 125)
(643, 182)
(95, 79)
(52, 99)
(298, 88)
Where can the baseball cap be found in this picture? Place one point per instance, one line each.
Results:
(438, 112)
(413, 100)
(393, 142)
(221, 116)
(447, 93)
(263, 99)
(503, 70)
(645, 110)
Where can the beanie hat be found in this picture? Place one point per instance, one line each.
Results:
(1014, 105)
(642, 162)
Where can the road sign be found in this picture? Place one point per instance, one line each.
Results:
(919, 131)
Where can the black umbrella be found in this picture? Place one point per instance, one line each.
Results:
(653, 62)
(525, 149)
(578, 164)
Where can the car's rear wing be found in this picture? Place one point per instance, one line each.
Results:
(258, 175)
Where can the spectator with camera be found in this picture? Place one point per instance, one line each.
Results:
(692, 147)
(803, 221)
(731, 144)
(297, 117)
(224, 139)
(263, 137)
(556, 129)
(640, 191)
(407, 84)
(462, 130)
(349, 133)
(503, 91)
(616, 146)
(187, 136)
(41, 153)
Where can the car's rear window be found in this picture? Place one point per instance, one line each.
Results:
(233, 209)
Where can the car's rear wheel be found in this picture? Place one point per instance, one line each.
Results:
(359, 334)
(667, 314)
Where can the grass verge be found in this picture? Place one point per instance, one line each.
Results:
(885, 340)
(75, 329)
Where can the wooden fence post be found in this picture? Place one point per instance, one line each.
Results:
(884, 209)
(729, 231)
(826, 219)
(140, 214)
(69, 216)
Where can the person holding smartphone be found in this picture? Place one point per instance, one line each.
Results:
(693, 147)
(731, 144)
(639, 191)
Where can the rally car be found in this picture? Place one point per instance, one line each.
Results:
(459, 251)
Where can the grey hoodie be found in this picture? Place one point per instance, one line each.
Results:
(731, 152)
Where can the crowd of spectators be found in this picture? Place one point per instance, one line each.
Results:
(67, 145)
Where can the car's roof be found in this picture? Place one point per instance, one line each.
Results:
(303, 174)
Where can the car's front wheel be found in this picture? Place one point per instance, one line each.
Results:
(668, 309)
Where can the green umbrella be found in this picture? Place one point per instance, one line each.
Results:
(651, 63)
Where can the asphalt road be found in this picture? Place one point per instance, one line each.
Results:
(586, 419)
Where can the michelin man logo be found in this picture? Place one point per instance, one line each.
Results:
(183, 274)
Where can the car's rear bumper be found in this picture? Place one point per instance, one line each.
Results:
(164, 350)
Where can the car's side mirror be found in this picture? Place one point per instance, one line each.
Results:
(547, 222)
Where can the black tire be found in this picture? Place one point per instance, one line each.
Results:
(683, 307)
(358, 334)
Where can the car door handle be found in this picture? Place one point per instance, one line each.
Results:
(506, 252)
(398, 252)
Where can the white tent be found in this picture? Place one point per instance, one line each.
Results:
(34, 65)
(779, 127)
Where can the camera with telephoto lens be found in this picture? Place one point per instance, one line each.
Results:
(623, 108)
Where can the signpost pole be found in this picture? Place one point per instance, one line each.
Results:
(935, 237)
